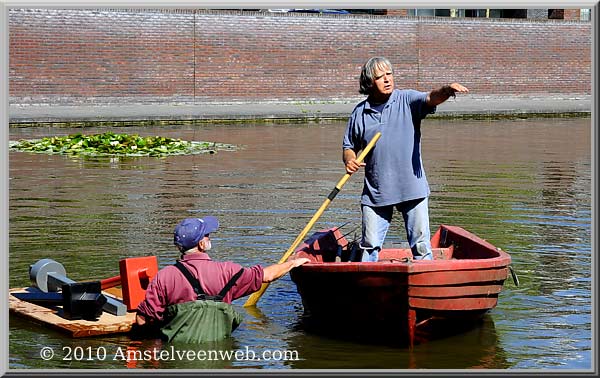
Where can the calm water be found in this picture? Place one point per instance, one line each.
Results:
(524, 185)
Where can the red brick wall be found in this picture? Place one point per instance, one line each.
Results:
(508, 57)
(60, 55)
(70, 56)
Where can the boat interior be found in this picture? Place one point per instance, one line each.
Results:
(329, 246)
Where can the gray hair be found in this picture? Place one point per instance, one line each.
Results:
(367, 74)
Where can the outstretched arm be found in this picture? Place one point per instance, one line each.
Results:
(276, 271)
(438, 96)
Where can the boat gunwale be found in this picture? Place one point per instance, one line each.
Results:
(411, 266)
(498, 258)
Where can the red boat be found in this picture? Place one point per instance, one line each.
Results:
(398, 297)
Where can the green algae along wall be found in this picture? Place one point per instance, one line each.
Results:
(197, 56)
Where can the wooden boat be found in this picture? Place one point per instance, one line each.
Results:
(398, 297)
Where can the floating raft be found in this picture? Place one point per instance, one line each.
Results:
(50, 316)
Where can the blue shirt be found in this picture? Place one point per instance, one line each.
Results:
(394, 170)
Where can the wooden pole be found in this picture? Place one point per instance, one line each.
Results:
(256, 296)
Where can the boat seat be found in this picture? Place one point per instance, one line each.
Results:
(396, 260)
(443, 253)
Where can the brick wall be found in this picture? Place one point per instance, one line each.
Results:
(64, 55)
(71, 56)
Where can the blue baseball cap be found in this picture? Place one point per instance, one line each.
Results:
(191, 230)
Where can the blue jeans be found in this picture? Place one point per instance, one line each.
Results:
(376, 222)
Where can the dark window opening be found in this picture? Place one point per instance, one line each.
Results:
(558, 14)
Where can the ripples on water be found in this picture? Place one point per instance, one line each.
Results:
(515, 183)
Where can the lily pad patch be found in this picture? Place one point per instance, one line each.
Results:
(113, 144)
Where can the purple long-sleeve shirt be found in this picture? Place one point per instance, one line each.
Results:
(170, 286)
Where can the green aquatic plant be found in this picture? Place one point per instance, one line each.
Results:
(112, 144)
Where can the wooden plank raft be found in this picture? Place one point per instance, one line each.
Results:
(49, 316)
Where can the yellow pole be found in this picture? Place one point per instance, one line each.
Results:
(256, 296)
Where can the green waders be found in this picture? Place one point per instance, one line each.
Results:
(206, 319)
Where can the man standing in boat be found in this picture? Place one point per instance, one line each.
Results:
(191, 300)
(394, 173)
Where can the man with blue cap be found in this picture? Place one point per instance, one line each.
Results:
(180, 296)
(191, 231)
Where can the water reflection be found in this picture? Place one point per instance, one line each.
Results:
(515, 183)
(472, 348)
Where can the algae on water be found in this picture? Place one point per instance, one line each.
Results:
(113, 144)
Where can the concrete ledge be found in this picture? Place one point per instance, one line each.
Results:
(460, 107)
